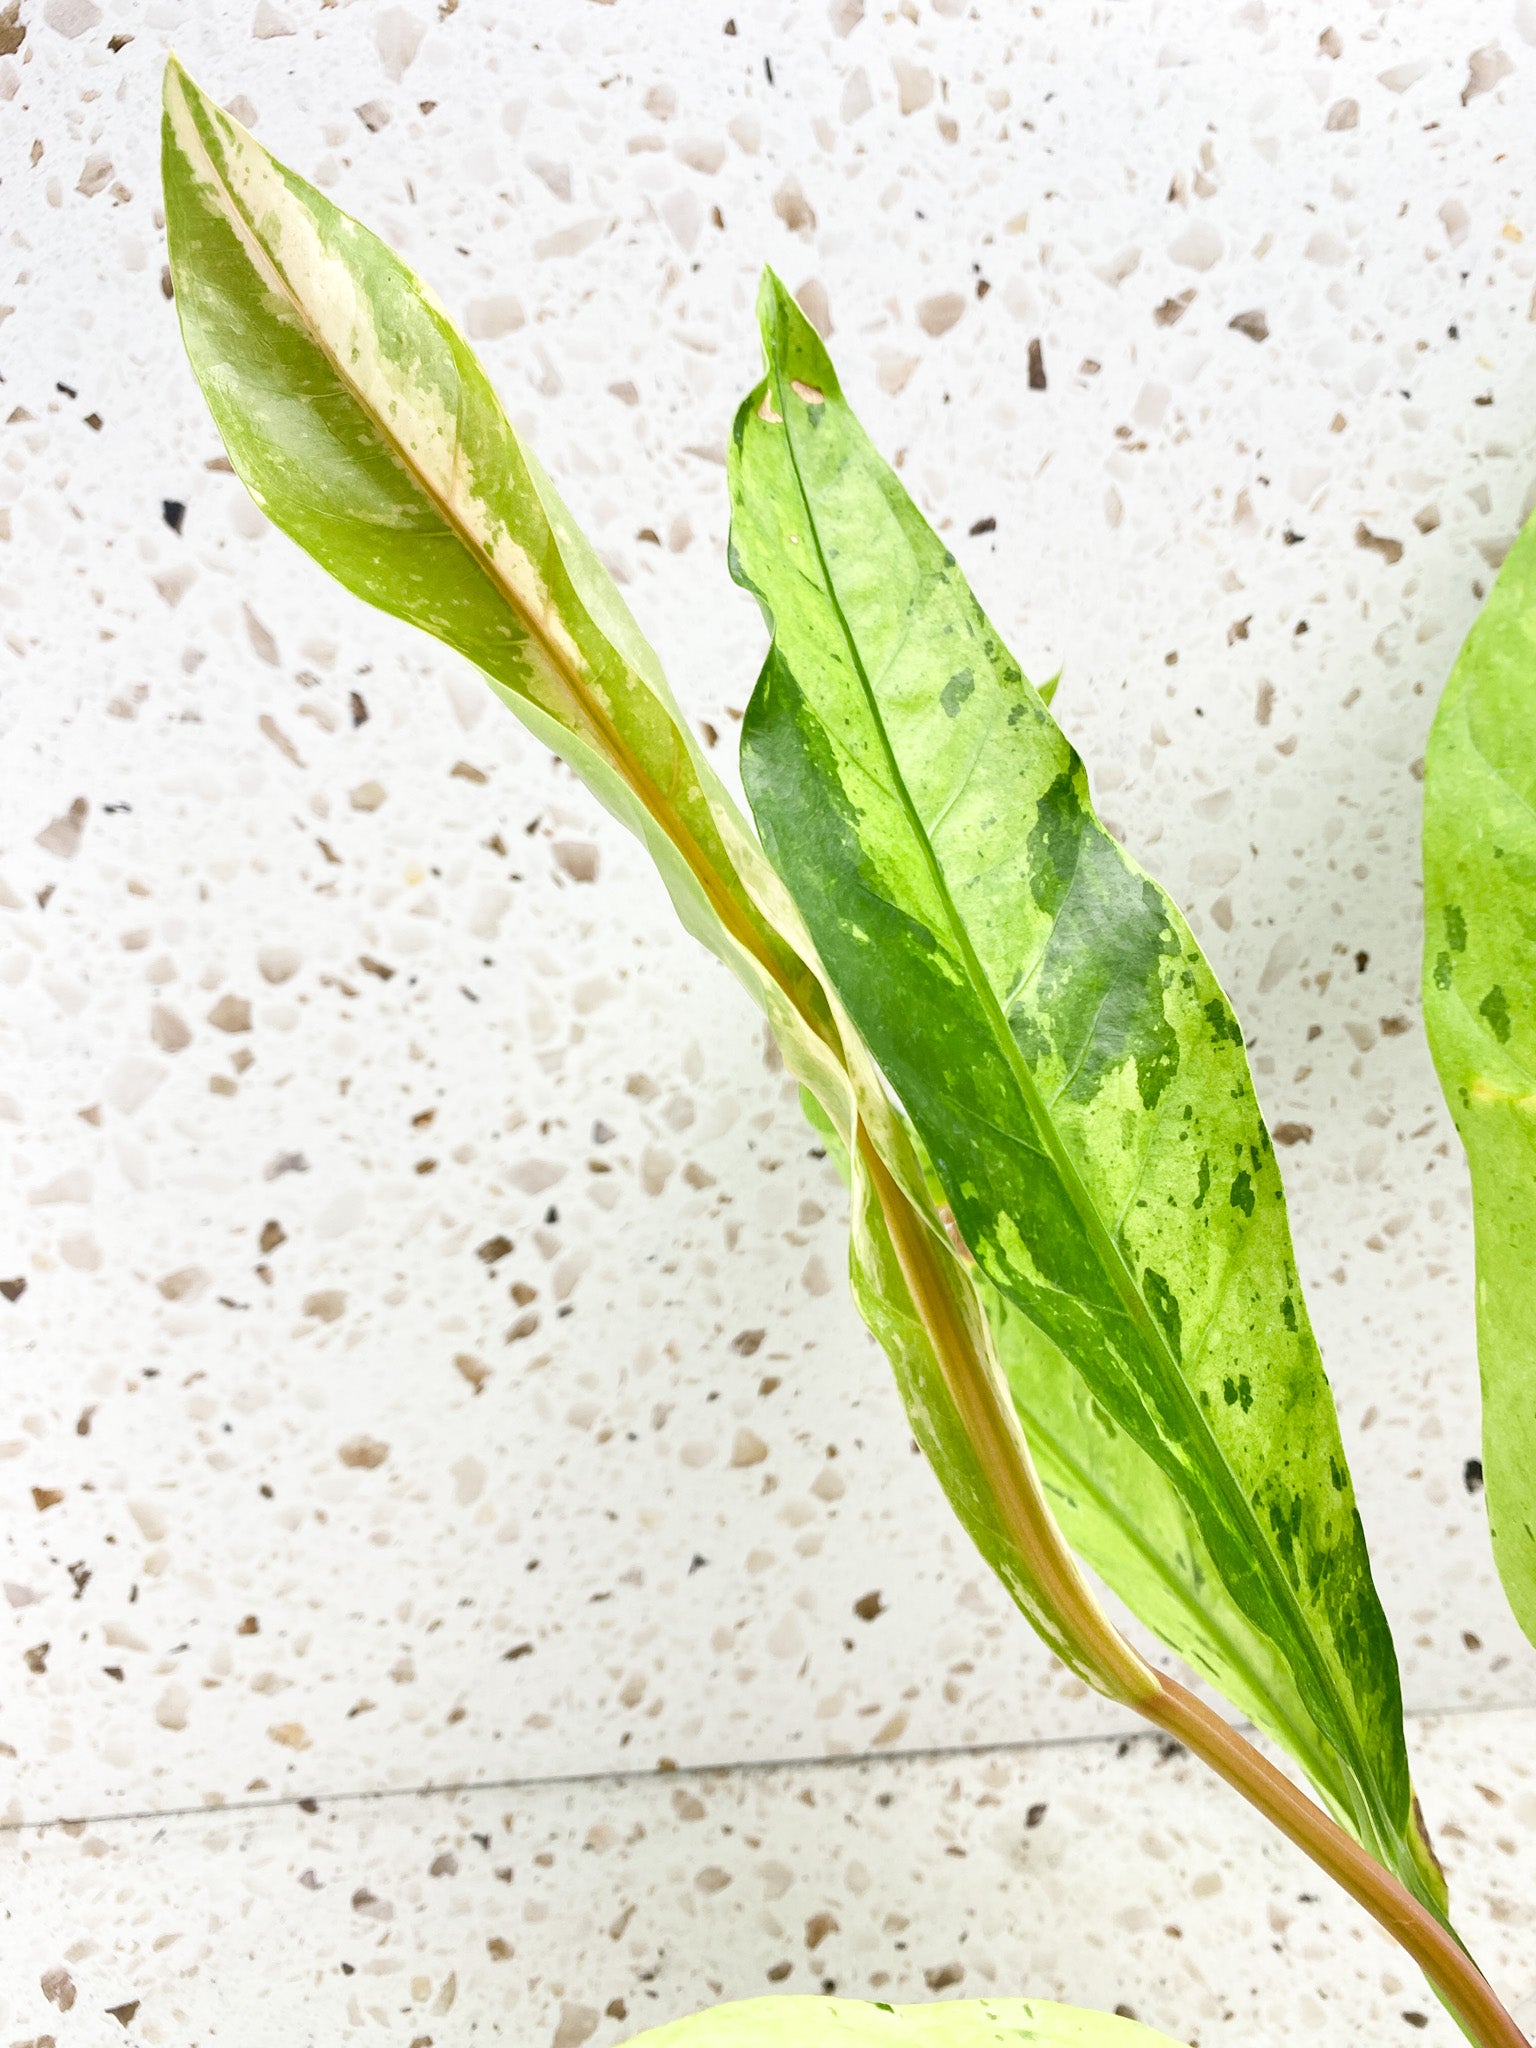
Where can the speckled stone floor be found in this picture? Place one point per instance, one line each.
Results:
(1108, 1873)
(426, 1354)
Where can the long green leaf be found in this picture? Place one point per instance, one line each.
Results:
(848, 2023)
(1480, 1014)
(364, 426)
(1078, 1079)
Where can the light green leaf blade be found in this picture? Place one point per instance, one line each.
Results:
(1480, 1015)
(364, 426)
(1076, 1075)
(851, 2023)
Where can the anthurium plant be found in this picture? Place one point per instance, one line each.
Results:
(1067, 1226)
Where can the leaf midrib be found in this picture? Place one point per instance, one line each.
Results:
(639, 780)
(1087, 1212)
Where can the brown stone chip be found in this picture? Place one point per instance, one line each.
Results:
(818, 1927)
(363, 1453)
(1379, 543)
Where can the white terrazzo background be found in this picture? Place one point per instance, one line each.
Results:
(332, 978)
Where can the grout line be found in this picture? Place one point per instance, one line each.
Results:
(749, 1767)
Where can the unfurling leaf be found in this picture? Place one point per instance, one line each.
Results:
(364, 426)
(1077, 1078)
(1480, 1015)
(849, 2023)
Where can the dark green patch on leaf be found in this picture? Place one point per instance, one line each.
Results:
(1222, 1022)
(1495, 1008)
(961, 685)
(1165, 1306)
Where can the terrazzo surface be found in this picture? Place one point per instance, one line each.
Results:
(1112, 1875)
(426, 1354)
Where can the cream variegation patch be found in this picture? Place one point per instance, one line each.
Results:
(322, 294)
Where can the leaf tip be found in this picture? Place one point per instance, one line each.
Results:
(770, 298)
(792, 349)
(176, 81)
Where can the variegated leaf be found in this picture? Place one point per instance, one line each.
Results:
(1079, 1082)
(1480, 1013)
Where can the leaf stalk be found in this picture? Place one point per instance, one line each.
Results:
(1455, 1977)
(1121, 1673)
